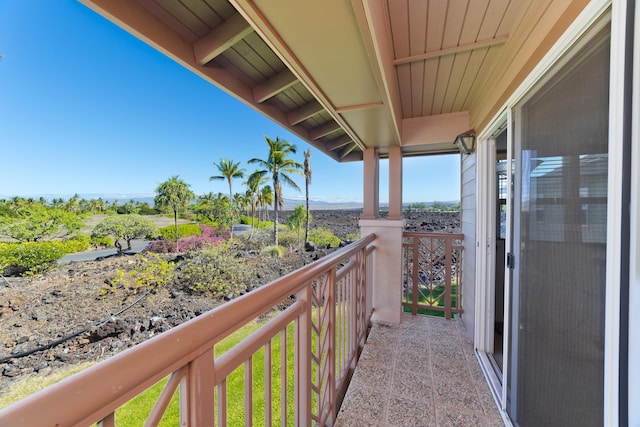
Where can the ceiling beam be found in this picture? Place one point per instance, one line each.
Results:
(359, 107)
(323, 130)
(347, 151)
(338, 142)
(452, 50)
(303, 113)
(373, 18)
(429, 130)
(273, 86)
(221, 38)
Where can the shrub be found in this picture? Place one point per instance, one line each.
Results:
(162, 246)
(40, 223)
(148, 211)
(184, 230)
(216, 271)
(150, 271)
(323, 238)
(352, 237)
(29, 258)
(288, 238)
(78, 243)
(274, 251)
(264, 224)
(208, 237)
(101, 242)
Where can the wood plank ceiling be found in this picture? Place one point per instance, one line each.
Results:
(341, 75)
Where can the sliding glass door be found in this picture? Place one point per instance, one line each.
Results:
(556, 368)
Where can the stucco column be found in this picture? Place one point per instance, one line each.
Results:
(386, 290)
(395, 183)
(371, 196)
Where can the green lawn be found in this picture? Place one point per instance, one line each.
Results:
(440, 302)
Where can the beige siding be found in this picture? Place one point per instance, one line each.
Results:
(468, 220)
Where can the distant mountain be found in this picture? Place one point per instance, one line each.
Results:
(289, 203)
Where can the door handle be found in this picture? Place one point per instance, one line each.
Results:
(511, 261)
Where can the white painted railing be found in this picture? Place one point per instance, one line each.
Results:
(329, 318)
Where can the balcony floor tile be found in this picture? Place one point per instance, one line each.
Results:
(427, 375)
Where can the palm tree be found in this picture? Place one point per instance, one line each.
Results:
(265, 197)
(228, 170)
(280, 166)
(307, 181)
(173, 194)
(73, 204)
(253, 183)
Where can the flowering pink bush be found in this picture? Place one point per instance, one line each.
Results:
(208, 238)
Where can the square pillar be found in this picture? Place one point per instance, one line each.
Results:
(386, 290)
(395, 183)
(371, 194)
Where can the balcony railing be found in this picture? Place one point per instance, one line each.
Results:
(327, 321)
(432, 273)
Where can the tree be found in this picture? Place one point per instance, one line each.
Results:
(129, 207)
(127, 228)
(253, 183)
(214, 208)
(173, 194)
(280, 166)
(265, 198)
(307, 181)
(73, 204)
(39, 223)
(228, 170)
(299, 218)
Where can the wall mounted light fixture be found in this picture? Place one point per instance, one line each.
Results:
(466, 142)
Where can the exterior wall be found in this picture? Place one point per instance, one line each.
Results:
(468, 223)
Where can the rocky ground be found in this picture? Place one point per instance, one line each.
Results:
(37, 312)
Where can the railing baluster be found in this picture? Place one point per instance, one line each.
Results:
(353, 316)
(267, 383)
(330, 385)
(248, 392)
(199, 386)
(302, 369)
(415, 278)
(284, 408)
(222, 403)
(108, 421)
(447, 289)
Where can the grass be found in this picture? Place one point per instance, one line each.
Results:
(439, 290)
(30, 385)
(135, 412)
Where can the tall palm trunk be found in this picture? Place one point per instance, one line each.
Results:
(306, 220)
(276, 204)
(307, 181)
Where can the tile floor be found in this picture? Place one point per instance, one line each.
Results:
(423, 372)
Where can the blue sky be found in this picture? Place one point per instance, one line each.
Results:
(87, 108)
